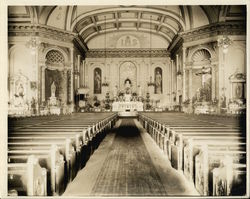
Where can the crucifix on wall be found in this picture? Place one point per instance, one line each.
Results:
(204, 93)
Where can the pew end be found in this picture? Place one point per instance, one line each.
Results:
(27, 178)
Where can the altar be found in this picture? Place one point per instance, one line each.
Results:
(127, 109)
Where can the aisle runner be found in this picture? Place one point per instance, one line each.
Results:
(128, 169)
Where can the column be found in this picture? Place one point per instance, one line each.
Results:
(177, 69)
(184, 74)
(190, 94)
(43, 83)
(78, 70)
(213, 81)
(72, 75)
(172, 81)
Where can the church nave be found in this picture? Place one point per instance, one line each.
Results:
(129, 163)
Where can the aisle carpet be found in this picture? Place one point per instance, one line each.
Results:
(128, 169)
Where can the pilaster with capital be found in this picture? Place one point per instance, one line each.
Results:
(214, 72)
(177, 79)
(190, 82)
(42, 69)
(184, 74)
(171, 82)
(72, 75)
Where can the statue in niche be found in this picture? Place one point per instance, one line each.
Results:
(97, 81)
(158, 81)
(238, 91)
(53, 89)
(127, 83)
(20, 91)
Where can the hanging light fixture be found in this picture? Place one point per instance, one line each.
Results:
(224, 43)
(33, 42)
(150, 83)
(105, 83)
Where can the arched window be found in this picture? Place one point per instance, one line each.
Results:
(54, 57)
(97, 81)
(158, 80)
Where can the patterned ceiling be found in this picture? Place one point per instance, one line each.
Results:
(91, 21)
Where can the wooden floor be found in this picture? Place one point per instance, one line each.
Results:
(128, 163)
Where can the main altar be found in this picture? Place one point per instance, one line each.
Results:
(126, 104)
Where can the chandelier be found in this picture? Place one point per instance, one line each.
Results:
(105, 82)
(33, 43)
(224, 42)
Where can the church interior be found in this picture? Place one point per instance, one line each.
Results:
(140, 100)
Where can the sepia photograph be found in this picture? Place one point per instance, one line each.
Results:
(113, 99)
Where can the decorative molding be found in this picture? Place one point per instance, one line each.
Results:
(100, 53)
(224, 28)
(39, 30)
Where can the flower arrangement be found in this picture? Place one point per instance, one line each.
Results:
(178, 73)
(151, 84)
(105, 84)
(186, 102)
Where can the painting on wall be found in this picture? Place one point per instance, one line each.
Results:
(158, 80)
(97, 81)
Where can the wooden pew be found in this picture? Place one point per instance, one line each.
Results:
(174, 133)
(229, 180)
(27, 178)
(49, 158)
(25, 141)
(177, 147)
(209, 159)
(68, 150)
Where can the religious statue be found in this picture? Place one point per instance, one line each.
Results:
(238, 91)
(20, 91)
(97, 82)
(158, 83)
(53, 89)
(127, 84)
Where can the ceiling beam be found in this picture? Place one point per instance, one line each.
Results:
(95, 24)
(117, 20)
(160, 23)
(171, 15)
(130, 20)
(138, 20)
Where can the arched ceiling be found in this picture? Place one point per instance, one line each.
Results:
(91, 21)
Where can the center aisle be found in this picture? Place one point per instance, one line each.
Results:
(123, 166)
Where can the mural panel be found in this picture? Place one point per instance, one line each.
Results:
(97, 81)
(158, 80)
(128, 75)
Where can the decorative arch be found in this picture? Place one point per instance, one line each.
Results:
(60, 51)
(97, 81)
(204, 47)
(158, 80)
(55, 57)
